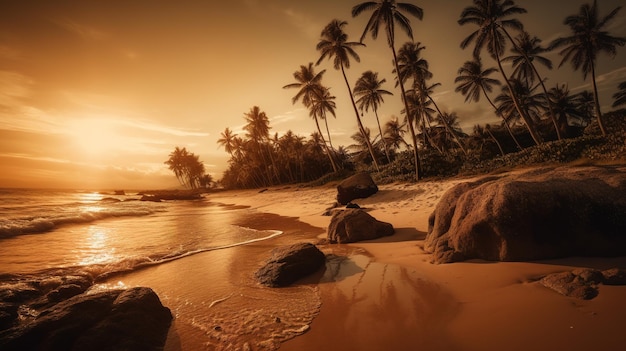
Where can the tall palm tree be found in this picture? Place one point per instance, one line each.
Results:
(410, 65)
(323, 103)
(413, 66)
(473, 80)
(176, 162)
(334, 45)
(369, 91)
(589, 38)
(620, 96)
(386, 14)
(491, 17)
(526, 51)
(258, 130)
(315, 97)
(227, 140)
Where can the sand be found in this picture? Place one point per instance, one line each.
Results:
(474, 305)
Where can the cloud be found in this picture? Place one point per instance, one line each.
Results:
(9, 53)
(83, 31)
(303, 23)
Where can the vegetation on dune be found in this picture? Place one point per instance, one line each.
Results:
(539, 122)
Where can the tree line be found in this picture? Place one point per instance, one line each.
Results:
(520, 98)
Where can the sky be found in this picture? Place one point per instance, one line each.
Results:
(96, 94)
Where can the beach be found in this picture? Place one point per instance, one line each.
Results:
(396, 298)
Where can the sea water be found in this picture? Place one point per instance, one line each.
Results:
(198, 256)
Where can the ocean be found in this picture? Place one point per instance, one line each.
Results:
(198, 256)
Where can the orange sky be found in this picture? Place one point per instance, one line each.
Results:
(96, 94)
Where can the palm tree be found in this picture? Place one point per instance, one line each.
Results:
(620, 96)
(589, 38)
(473, 80)
(566, 108)
(386, 14)
(315, 97)
(410, 65)
(527, 50)
(360, 147)
(491, 18)
(447, 120)
(530, 102)
(176, 162)
(413, 66)
(370, 94)
(227, 140)
(334, 44)
(321, 104)
(258, 127)
(394, 134)
(308, 82)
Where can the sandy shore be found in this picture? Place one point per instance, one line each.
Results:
(473, 305)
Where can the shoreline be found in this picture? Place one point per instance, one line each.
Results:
(487, 305)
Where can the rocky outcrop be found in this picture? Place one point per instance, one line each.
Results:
(352, 225)
(358, 186)
(583, 283)
(132, 319)
(290, 263)
(537, 214)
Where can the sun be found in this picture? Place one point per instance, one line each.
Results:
(94, 137)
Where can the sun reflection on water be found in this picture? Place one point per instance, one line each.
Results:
(96, 248)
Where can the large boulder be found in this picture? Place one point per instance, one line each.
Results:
(352, 225)
(358, 186)
(538, 214)
(132, 319)
(290, 263)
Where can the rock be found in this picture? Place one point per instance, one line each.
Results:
(132, 319)
(352, 225)
(358, 186)
(290, 263)
(8, 314)
(151, 198)
(572, 284)
(583, 283)
(538, 214)
(614, 276)
(64, 292)
(351, 205)
(119, 192)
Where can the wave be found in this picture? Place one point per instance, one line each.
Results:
(131, 264)
(99, 272)
(42, 224)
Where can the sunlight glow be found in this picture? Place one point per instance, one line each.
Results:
(94, 137)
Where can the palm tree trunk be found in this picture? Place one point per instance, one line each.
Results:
(330, 157)
(525, 118)
(596, 99)
(416, 159)
(382, 138)
(447, 126)
(358, 118)
(496, 140)
(543, 86)
(506, 124)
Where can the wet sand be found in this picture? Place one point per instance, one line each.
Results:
(474, 305)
